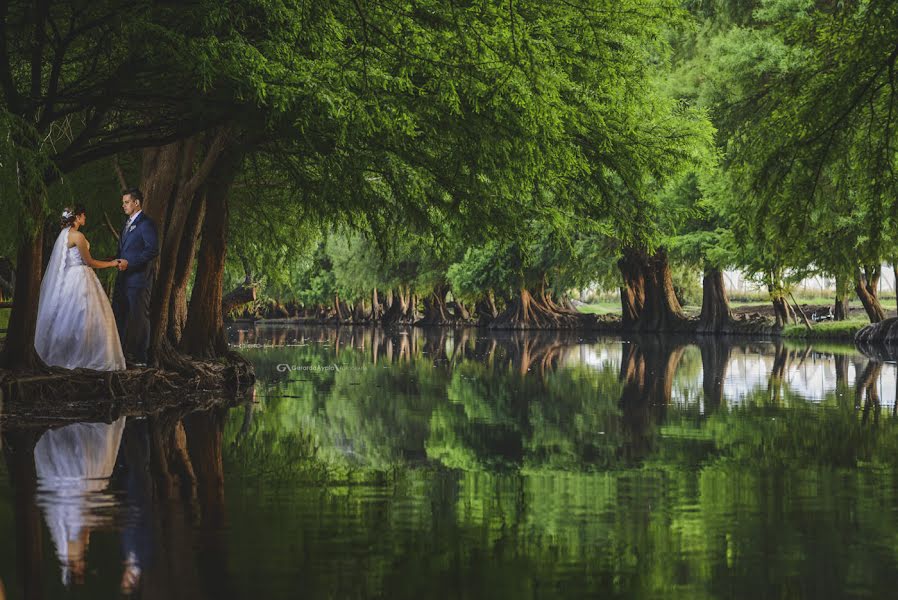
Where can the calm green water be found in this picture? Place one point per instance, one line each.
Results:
(464, 464)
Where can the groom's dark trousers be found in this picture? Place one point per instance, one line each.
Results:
(139, 245)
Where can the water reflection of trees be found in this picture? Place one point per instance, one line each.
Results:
(654, 465)
(168, 483)
(594, 463)
(465, 399)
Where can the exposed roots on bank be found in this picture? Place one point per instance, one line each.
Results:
(85, 394)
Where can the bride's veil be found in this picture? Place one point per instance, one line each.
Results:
(51, 286)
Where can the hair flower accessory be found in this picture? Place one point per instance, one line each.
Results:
(66, 213)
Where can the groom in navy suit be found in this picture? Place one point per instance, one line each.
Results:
(138, 246)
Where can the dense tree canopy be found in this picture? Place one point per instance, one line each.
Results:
(463, 162)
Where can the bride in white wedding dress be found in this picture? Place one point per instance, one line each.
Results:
(75, 324)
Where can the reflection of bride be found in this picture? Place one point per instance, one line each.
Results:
(73, 467)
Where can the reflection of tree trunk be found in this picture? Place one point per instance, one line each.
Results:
(171, 572)
(460, 345)
(527, 350)
(715, 359)
(19, 450)
(204, 440)
(867, 391)
(637, 417)
(169, 462)
(647, 370)
(867, 288)
(841, 366)
(716, 314)
(781, 359)
(204, 445)
(435, 345)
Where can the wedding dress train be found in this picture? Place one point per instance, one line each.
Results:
(75, 322)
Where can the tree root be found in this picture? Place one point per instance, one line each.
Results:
(528, 311)
(85, 394)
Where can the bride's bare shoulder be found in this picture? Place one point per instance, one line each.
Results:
(75, 237)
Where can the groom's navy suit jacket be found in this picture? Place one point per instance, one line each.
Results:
(139, 245)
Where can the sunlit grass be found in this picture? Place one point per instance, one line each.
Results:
(600, 308)
(827, 329)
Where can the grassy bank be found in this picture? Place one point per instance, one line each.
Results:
(842, 331)
(829, 330)
(601, 308)
(4, 320)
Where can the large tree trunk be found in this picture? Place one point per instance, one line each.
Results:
(841, 311)
(339, 311)
(661, 311)
(184, 266)
(459, 310)
(632, 292)
(867, 288)
(377, 310)
(435, 310)
(171, 180)
(485, 309)
(7, 279)
(18, 348)
(716, 315)
(402, 310)
(204, 334)
(411, 307)
(360, 312)
(782, 312)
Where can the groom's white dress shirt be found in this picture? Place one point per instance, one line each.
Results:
(131, 219)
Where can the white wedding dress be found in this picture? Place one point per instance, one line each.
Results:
(75, 324)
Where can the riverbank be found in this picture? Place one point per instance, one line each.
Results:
(837, 331)
(83, 394)
(40, 413)
(826, 330)
(755, 319)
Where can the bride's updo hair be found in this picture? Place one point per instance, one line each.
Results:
(70, 214)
